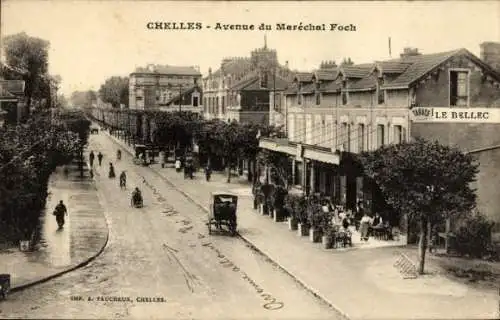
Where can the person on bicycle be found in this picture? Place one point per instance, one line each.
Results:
(136, 196)
(123, 179)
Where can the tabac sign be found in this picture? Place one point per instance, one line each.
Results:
(460, 115)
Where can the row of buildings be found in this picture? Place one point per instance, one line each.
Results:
(336, 111)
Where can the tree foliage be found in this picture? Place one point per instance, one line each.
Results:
(424, 180)
(29, 153)
(346, 62)
(115, 90)
(30, 54)
(83, 99)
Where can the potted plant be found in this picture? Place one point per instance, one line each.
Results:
(266, 190)
(279, 203)
(290, 208)
(328, 238)
(301, 212)
(315, 217)
(257, 195)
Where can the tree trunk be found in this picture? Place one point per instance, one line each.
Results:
(422, 245)
(81, 162)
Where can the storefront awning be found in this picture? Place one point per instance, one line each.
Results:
(307, 151)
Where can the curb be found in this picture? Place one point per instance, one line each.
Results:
(249, 242)
(72, 268)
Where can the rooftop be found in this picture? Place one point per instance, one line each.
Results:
(167, 69)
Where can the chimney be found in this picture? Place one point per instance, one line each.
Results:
(490, 53)
(409, 52)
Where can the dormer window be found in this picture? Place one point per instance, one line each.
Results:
(381, 93)
(318, 94)
(459, 87)
(263, 80)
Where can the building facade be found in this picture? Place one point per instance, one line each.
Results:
(159, 87)
(332, 114)
(241, 88)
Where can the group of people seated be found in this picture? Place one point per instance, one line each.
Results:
(365, 224)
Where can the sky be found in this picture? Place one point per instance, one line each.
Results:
(93, 40)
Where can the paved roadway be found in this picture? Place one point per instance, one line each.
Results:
(163, 251)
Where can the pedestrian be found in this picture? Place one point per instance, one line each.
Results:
(91, 158)
(364, 227)
(60, 211)
(99, 157)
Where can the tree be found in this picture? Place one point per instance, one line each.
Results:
(424, 180)
(83, 99)
(115, 91)
(31, 54)
(346, 62)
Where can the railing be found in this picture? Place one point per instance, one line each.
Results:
(406, 267)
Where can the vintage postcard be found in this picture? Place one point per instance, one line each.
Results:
(250, 159)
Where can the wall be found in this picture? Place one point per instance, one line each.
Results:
(435, 91)
(472, 137)
(361, 98)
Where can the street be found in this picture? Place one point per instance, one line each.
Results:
(161, 263)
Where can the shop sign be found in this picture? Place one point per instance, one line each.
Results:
(455, 115)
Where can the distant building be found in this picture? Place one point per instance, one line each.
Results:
(242, 87)
(159, 87)
(12, 99)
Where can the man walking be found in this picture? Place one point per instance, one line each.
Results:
(60, 211)
(91, 158)
(99, 157)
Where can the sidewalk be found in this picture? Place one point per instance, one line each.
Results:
(358, 283)
(83, 237)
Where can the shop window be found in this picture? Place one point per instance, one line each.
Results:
(380, 135)
(459, 88)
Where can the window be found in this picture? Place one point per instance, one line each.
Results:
(380, 135)
(195, 101)
(344, 98)
(361, 137)
(138, 98)
(459, 88)
(318, 98)
(398, 134)
(223, 104)
(381, 93)
(318, 94)
(343, 136)
(263, 80)
(299, 98)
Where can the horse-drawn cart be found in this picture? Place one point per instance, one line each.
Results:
(223, 207)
